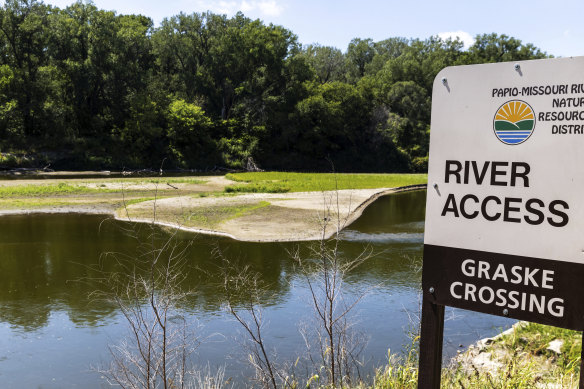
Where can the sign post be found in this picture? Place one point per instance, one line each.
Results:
(504, 213)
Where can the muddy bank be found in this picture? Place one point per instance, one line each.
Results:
(261, 217)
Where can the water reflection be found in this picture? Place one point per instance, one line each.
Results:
(49, 264)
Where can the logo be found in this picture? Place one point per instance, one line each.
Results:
(514, 122)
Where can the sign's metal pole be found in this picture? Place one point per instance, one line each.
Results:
(430, 367)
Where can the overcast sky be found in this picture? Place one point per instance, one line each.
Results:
(554, 26)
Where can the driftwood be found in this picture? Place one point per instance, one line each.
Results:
(25, 170)
(251, 166)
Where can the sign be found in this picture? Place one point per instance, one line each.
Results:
(505, 205)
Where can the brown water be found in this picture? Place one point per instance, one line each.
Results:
(52, 333)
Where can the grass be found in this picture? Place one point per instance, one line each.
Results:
(281, 182)
(526, 363)
(31, 203)
(212, 216)
(140, 200)
(44, 190)
(534, 339)
(78, 192)
(204, 217)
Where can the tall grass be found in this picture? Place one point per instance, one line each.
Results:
(526, 363)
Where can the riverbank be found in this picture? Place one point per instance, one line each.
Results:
(526, 356)
(213, 204)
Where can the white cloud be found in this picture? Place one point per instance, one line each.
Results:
(263, 7)
(464, 36)
(221, 7)
(270, 8)
(246, 6)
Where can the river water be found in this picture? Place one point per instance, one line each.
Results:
(53, 333)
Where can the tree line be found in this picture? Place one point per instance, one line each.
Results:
(89, 88)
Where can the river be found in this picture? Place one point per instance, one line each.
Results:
(53, 333)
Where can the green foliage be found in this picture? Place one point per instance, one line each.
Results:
(103, 90)
(534, 339)
(239, 142)
(359, 54)
(258, 187)
(189, 132)
(401, 372)
(327, 63)
(501, 48)
(525, 363)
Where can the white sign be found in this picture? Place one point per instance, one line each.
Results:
(506, 166)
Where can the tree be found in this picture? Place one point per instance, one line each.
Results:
(420, 62)
(410, 117)
(11, 127)
(359, 54)
(501, 48)
(190, 134)
(23, 36)
(103, 90)
(328, 63)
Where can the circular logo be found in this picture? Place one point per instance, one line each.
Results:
(514, 122)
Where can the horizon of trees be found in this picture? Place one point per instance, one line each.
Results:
(88, 88)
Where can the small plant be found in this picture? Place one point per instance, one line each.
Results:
(147, 292)
(244, 293)
(147, 289)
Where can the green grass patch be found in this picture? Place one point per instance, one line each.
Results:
(203, 217)
(44, 190)
(140, 200)
(534, 339)
(258, 187)
(525, 363)
(212, 216)
(280, 182)
(31, 203)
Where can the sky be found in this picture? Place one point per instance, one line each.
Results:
(554, 26)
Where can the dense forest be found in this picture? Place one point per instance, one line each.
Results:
(86, 88)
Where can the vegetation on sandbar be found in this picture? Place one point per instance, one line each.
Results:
(280, 182)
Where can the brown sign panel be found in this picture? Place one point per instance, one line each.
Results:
(524, 288)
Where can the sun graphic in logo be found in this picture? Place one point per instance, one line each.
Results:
(514, 122)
